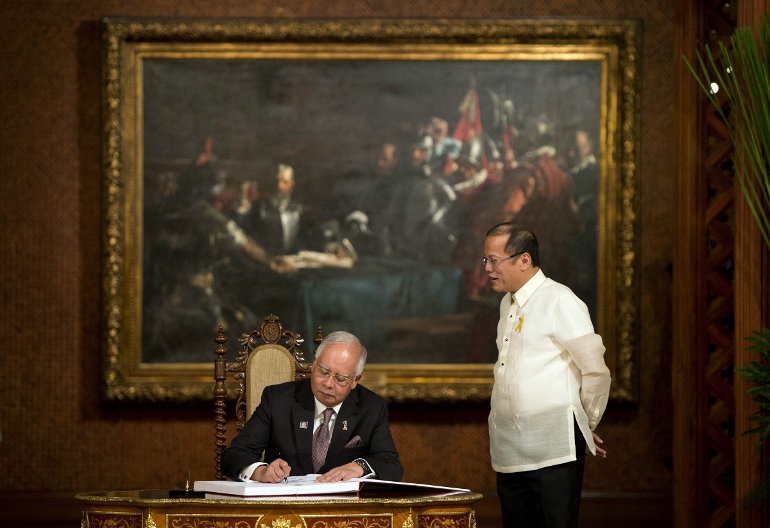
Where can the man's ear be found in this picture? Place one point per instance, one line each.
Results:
(526, 260)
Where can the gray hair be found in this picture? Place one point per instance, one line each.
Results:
(345, 338)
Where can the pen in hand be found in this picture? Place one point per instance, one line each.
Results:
(281, 468)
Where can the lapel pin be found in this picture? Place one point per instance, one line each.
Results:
(345, 425)
(303, 425)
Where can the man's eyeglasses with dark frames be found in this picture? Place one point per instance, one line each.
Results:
(495, 262)
(339, 379)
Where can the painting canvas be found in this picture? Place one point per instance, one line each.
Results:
(351, 187)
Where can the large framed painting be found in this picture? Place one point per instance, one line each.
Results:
(343, 174)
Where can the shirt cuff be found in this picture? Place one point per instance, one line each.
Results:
(245, 474)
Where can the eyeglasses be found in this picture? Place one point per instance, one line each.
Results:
(323, 372)
(494, 262)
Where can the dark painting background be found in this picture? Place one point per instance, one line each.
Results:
(329, 119)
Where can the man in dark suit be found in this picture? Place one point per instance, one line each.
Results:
(328, 424)
(281, 224)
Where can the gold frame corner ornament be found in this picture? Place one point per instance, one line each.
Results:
(615, 43)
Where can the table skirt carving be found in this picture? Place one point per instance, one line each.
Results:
(154, 509)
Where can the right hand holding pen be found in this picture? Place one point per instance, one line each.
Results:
(274, 472)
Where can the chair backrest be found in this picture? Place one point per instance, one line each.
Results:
(268, 364)
(266, 356)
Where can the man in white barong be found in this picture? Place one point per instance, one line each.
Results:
(551, 386)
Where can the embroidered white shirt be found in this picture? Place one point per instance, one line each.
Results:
(550, 372)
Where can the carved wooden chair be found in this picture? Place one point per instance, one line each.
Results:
(261, 361)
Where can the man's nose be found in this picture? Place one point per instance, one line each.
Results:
(329, 382)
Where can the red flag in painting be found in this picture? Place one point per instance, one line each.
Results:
(469, 124)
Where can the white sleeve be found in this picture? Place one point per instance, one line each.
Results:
(588, 354)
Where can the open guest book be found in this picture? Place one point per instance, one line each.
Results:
(306, 485)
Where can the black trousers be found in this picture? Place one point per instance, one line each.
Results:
(548, 497)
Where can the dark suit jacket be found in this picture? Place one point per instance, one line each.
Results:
(282, 427)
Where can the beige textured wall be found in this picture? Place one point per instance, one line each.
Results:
(56, 435)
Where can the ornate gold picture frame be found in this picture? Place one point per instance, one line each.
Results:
(403, 141)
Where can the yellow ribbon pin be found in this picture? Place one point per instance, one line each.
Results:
(518, 326)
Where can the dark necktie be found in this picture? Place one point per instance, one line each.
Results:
(321, 441)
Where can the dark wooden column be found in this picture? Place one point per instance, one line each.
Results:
(751, 291)
(752, 288)
(689, 362)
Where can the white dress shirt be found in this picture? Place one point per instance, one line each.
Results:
(319, 417)
(550, 373)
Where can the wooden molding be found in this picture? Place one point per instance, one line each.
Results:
(751, 314)
(688, 366)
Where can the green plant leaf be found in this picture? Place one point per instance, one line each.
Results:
(741, 72)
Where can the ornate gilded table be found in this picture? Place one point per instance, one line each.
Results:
(155, 509)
